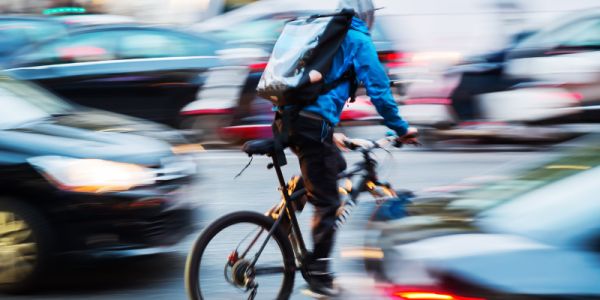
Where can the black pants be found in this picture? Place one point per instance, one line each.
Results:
(320, 162)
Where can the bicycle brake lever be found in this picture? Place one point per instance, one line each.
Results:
(350, 145)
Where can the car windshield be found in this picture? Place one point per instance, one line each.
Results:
(563, 213)
(22, 103)
(562, 165)
(563, 207)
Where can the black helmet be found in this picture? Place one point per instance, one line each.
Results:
(365, 10)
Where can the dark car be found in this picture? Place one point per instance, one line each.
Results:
(17, 32)
(532, 236)
(547, 58)
(146, 72)
(245, 116)
(73, 183)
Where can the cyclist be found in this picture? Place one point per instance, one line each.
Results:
(311, 135)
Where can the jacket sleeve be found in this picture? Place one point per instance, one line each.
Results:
(370, 72)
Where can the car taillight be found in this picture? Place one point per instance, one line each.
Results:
(423, 293)
(394, 59)
(257, 67)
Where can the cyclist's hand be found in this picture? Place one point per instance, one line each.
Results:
(339, 140)
(411, 137)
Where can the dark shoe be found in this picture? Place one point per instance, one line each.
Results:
(322, 286)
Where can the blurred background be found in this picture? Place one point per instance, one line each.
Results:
(121, 123)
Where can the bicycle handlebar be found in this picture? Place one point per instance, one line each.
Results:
(368, 145)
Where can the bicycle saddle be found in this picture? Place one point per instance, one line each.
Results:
(260, 147)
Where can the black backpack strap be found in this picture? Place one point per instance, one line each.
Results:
(349, 75)
(281, 128)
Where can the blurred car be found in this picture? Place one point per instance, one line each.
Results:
(146, 72)
(479, 75)
(17, 32)
(217, 7)
(525, 93)
(531, 236)
(564, 55)
(242, 115)
(94, 19)
(260, 24)
(77, 181)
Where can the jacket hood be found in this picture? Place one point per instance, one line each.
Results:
(359, 25)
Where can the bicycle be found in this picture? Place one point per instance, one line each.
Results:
(280, 224)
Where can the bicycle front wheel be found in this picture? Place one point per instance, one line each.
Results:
(220, 264)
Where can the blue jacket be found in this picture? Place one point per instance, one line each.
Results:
(358, 50)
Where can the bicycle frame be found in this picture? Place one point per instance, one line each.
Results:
(368, 182)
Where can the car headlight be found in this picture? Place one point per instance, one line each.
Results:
(92, 175)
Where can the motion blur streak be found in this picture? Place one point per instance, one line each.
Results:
(567, 167)
(368, 253)
(423, 293)
(121, 124)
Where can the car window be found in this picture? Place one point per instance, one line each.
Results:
(153, 44)
(230, 5)
(263, 30)
(588, 36)
(387, 27)
(377, 32)
(18, 33)
(89, 46)
(571, 34)
(29, 101)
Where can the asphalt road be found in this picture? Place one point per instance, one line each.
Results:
(161, 277)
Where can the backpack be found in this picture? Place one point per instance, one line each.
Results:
(302, 56)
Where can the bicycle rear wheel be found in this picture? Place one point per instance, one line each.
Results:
(219, 265)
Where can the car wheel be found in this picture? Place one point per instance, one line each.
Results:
(205, 128)
(25, 246)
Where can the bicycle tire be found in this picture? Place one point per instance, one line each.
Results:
(194, 260)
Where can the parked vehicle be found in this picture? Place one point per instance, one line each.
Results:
(533, 236)
(17, 32)
(146, 72)
(81, 181)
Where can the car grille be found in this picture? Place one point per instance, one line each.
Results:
(168, 228)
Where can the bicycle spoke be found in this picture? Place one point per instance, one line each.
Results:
(252, 243)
